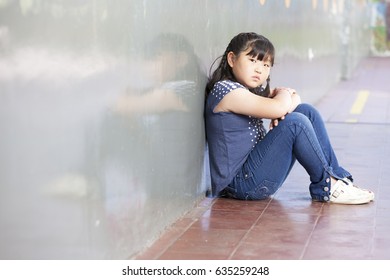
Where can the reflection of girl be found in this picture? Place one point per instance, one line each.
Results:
(151, 140)
(245, 161)
(172, 66)
(165, 112)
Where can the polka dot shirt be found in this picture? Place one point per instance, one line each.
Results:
(230, 136)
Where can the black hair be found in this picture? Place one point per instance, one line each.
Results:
(260, 47)
(176, 43)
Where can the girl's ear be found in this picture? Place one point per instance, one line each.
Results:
(230, 58)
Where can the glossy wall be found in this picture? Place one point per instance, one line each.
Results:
(102, 141)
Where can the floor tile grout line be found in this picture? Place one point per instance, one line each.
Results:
(187, 228)
(175, 240)
(311, 233)
(377, 194)
(372, 247)
(249, 230)
(161, 252)
(158, 255)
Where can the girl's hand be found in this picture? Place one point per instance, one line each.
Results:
(275, 123)
(296, 100)
(277, 90)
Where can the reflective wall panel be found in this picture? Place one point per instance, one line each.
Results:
(101, 109)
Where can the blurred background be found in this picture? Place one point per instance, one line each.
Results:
(101, 107)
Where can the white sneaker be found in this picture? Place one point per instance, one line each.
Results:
(344, 192)
(371, 193)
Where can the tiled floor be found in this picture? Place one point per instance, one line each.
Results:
(289, 225)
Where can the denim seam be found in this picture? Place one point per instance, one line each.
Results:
(325, 164)
(266, 149)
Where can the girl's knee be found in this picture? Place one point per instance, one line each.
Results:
(307, 109)
(296, 122)
(304, 107)
(296, 117)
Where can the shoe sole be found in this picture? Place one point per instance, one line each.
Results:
(357, 201)
(351, 202)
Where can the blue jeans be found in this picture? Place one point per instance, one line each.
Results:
(301, 136)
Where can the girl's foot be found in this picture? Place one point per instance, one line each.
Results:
(345, 192)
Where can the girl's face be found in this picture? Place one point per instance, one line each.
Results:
(248, 70)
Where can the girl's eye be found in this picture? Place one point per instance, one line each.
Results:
(267, 64)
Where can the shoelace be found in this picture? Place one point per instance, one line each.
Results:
(347, 182)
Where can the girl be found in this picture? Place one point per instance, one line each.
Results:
(248, 163)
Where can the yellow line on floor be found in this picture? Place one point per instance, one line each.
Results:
(360, 102)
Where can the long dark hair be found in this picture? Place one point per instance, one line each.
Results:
(176, 43)
(259, 46)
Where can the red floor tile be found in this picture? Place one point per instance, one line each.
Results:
(290, 225)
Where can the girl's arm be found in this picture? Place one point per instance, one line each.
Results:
(242, 101)
(296, 100)
(155, 101)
